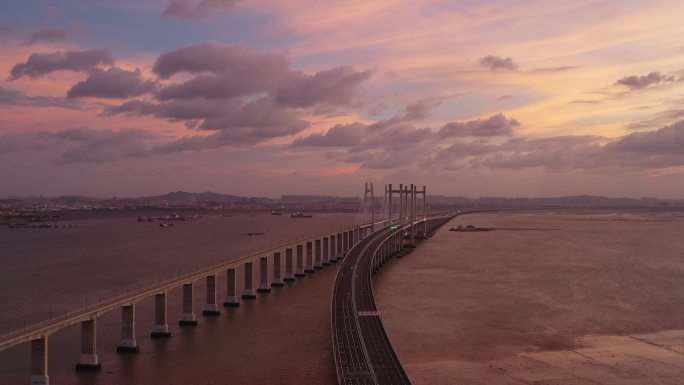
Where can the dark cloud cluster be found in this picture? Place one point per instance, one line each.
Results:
(41, 64)
(112, 83)
(635, 82)
(334, 87)
(497, 125)
(491, 144)
(496, 63)
(252, 94)
(219, 58)
(195, 9)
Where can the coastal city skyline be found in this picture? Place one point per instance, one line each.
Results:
(512, 99)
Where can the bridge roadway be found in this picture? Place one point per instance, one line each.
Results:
(363, 353)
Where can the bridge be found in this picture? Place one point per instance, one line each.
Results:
(363, 353)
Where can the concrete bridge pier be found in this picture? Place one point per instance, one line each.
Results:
(264, 287)
(345, 243)
(309, 258)
(326, 251)
(289, 275)
(231, 292)
(211, 308)
(248, 292)
(319, 260)
(333, 249)
(300, 262)
(188, 317)
(340, 243)
(39, 361)
(88, 360)
(128, 344)
(161, 328)
(277, 281)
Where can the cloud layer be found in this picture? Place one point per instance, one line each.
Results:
(41, 64)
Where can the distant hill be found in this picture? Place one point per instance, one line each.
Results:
(188, 197)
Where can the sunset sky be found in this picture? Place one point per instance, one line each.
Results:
(271, 97)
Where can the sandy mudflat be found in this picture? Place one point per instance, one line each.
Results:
(598, 301)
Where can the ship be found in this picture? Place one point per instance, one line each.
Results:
(274, 212)
(300, 214)
(470, 228)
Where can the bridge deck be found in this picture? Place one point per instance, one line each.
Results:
(363, 353)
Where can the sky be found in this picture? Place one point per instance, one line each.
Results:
(262, 98)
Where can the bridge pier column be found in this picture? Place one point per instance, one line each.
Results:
(248, 292)
(350, 239)
(211, 308)
(277, 281)
(39, 361)
(188, 316)
(319, 261)
(289, 275)
(340, 245)
(345, 242)
(309, 258)
(161, 328)
(333, 249)
(88, 360)
(231, 296)
(300, 262)
(326, 251)
(128, 344)
(264, 287)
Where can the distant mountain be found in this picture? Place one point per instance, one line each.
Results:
(188, 197)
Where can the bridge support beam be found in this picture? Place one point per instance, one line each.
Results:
(39, 361)
(345, 242)
(248, 292)
(289, 275)
(340, 246)
(264, 287)
(88, 360)
(211, 308)
(326, 251)
(277, 280)
(319, 260)
(333, 249)
(161, 328)
(188, 316)
(128, 344)
(309, 258)
(231, 292)
(300, 262)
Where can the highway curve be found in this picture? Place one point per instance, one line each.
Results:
(363, 353)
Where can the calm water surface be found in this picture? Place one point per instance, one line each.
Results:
(463, 299)
(281, 338)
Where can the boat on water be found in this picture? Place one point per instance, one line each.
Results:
(166, 224)
(470, 228)
(252, 234)
(275, 212)
(300, 214)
